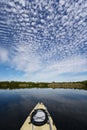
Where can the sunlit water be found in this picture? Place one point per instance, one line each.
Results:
(68, 107)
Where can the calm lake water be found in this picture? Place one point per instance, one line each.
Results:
(68, 107)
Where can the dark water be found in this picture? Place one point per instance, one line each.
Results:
(67, 107)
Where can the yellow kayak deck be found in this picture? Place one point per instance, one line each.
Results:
(28, 125)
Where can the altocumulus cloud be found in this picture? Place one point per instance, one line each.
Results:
(44, 38)
(4, 55)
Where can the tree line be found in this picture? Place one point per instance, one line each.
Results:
(18, 84)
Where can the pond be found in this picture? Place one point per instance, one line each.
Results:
(68, 107)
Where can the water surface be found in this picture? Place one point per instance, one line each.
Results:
(68, 107)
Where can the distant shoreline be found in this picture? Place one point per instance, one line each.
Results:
(18, 84)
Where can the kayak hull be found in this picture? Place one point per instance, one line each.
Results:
(30, 126)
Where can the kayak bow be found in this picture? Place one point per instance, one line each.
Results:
(39, 119)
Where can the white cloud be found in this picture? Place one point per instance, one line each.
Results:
(25, 59)
(62, 2)
(22, 2)
(53, 71)
(4, 55)
(47, 37)
(73, 65)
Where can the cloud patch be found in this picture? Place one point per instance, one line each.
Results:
(4, 55)
(44, 37)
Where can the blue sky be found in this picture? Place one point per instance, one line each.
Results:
(43, 40)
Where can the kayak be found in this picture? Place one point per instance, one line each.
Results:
(39, 119)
